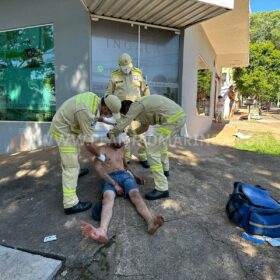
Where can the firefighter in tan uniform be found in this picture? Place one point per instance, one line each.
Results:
(153, 110)
(127, 83)
(72, 124)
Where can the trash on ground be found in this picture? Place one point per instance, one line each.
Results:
(256, 117)
(242, 136)
(50, 238)
(251, 238)
(275, 242)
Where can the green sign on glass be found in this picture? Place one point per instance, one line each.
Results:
(100, 68)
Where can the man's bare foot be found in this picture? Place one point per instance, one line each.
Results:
(155, 224)
(91, 232)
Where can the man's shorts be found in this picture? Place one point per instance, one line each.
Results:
(124, 179)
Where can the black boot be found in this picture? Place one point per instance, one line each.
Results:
(83, 172)
(145, 163)
(155, 194)
(166, 173)
(80, 207)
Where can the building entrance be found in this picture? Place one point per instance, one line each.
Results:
(154, 51)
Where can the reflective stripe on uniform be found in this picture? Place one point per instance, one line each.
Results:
(141, 154)
(136, 71)
(89, 99)
(164, 131)
(164, 152)
(68, 149)
(173, 118)
(156, 168)
(69, 193)
(95, 104)
(116, 73)
(56, 135)
(92, 103)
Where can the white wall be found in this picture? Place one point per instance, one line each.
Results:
(196, 44)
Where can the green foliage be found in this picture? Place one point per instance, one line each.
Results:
(262, 77)
(265, 27)
(263, 143)
(204, 81)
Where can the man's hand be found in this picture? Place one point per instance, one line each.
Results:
(119, 189)
(139, 180)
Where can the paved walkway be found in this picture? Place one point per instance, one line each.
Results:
(196, 242)
(18, 265)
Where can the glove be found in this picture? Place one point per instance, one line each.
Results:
(102, 157)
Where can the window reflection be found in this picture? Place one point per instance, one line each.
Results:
(27, 76)
(204, 77)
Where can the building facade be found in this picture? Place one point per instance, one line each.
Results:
(52, 50)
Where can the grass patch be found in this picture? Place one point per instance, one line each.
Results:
(261, 142)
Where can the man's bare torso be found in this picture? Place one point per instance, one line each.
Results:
(114, 158)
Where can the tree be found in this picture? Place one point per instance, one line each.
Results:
(262, 77)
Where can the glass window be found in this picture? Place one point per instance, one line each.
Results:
(159, 61)
(204, 78)
(157, 55)
(109, 41)
(27, 75)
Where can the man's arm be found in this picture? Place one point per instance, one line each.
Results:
(105, 176)
(139, 180)
(85, 123)
(135, 109)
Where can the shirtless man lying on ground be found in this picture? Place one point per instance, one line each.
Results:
(118, 181)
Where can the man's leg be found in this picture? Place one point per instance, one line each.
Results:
(156, 145)
(100, 234)
(153, 222)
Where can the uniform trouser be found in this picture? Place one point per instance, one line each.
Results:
(69, 149)
(157, 150)
(141, 145)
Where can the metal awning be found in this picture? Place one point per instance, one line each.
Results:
(167, 14)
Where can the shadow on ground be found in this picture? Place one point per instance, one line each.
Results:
(196, 242)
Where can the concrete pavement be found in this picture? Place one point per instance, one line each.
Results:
(196, 242)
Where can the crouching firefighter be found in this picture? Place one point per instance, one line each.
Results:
(153, 110)
(74, 122)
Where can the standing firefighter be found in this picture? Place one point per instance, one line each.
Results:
(72, 123)
(127, 83)
(154, 110)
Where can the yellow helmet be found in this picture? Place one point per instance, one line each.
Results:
(114, 104)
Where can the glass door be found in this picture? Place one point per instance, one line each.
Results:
(154, 51)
